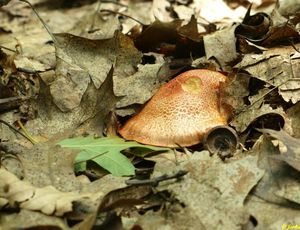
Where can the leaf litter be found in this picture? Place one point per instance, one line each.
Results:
(108, 58)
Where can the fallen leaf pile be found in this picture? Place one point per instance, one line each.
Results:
(73, 72)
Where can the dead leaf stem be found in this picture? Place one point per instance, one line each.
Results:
(26, 133)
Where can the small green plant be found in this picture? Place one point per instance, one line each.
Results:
(106, 152)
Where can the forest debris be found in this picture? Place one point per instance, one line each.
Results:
(213, 191)
(142, 11)
(4, 2)
(184, 12)
(231, 182)
(160, 10)
(221, 45)
(245, 118)
(235, 98)
(190, 30)
(80, 59)
(31, 219)
(93, 109)
(293, 114)
(268, 185)
(94, 26)
(139, 87)
(291, 152)
(278, 67)
(46, 199)
(281, 29)
(30, 66)
(156, 33)
(268, 215)
(218, 11)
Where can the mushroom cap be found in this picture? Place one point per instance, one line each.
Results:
(181, 111)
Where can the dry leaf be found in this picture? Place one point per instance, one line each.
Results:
(278, 67)
(221, 45)
(222, 186)
(293, 114)
(139, 87)
(80, 59)
(291, 154)
(48, 200)
(245, 118)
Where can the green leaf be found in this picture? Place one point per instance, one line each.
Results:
(106, 152)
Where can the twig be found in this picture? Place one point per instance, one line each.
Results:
(155, 181)
(42, 20)
(125, 15)
(14, 129)
(9, 49)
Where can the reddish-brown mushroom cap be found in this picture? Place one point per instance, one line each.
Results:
(181, 111)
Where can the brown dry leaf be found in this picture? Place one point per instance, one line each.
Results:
(54, 188)
(280, 30)
(31, 219)
(190, 30)
(174, 218)
(48, 200)
(221, 45)
(267, 215)
(94, 26)
(290, 7)
(290, 151)
(293, 114)
(233, 97)
(276, 172)
(79, 59)
(250, 114)
(157, 33)
(277, 67)
(213, 190)
(183, 12)
(143, 11)
(30, 66)
(96, 104)
(139, 87)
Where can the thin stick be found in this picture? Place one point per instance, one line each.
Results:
(125, 15)
(9, 49)
(14, 129)
(43, 22)
(155, 181)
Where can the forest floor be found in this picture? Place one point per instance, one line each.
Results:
(73, 72)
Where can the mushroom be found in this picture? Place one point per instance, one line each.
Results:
(181, 112)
